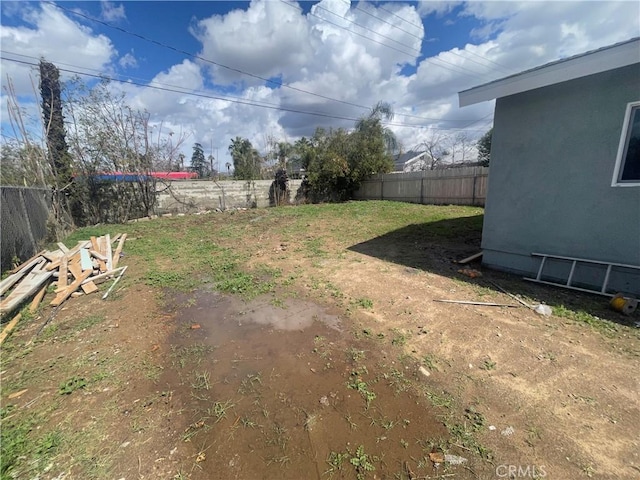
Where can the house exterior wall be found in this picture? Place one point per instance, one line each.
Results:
(552, 161)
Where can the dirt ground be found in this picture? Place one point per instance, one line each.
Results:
(349, 370)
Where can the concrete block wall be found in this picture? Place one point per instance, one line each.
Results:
(186, 196)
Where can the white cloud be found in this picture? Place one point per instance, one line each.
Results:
(266, 39)
(274, 40)
(439, 8)
(50, 34)
(128, 61)
(112, 13)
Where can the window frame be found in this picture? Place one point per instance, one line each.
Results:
(622, 148)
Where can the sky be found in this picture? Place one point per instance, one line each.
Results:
(311, 64)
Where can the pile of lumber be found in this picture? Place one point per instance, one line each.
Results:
(75, 271)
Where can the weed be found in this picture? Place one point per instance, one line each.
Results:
(463, 435)
(279, 437)
(397, 380)
(201, 381)
(250, 384)
(533, 435)
(580, 316)
(336, 461)
(363, 303)
(388, 424)
(151, 370)
(399, 338)
(356, 355)
(71, 385)
(248, 423)
(404, 443)
(488, 365)
(280, 460)
(362, 463)
(352, 424)
(440, 400)
(219, 409)
(356, 383)
(189, 354)
(430, 362)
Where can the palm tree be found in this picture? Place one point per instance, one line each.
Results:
(372, 125)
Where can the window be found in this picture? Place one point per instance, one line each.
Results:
(627, 169)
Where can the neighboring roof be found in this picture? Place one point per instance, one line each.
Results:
(400, 160)
(588, 63)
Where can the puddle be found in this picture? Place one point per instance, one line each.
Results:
(286, 391)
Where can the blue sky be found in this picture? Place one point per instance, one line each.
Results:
(335, 57)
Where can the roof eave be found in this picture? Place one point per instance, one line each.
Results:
(591, 63)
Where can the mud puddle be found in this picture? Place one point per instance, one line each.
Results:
(286, 391)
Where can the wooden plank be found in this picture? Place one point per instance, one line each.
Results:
(62, 273)
(11, 280)
(116, 238)
(75, 269)
(89, 287)
(26, 262)
(104, 276)
(35, 303)
(53, 256)
(98, 255)
(116, 255)
(470, 258)
(101, 244)
(10, 326)
(53, 265)
(62, 296)
(85, 260)
(94, 244)
(108, 252)
(27, 287)
(76, 249)
(63, 247)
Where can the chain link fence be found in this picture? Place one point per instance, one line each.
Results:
(23, 222)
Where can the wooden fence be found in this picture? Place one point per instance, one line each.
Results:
(454, 186)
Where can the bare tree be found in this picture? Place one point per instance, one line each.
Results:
(115, 153)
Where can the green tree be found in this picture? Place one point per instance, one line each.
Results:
(336, 162)
(65, 200)
(198, 161)
(484, 148)
(246, 160)
(53, 121)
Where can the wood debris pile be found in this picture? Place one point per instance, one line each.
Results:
(75, 271)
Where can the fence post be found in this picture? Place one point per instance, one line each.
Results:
(381, 186)
(473, 195)
(422, 189)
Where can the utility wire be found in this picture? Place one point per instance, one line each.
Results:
(242, 72)
(101, 74)
(459, 69)
(506, 69)
(231, 100)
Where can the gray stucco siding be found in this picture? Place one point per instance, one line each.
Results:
(552, 161)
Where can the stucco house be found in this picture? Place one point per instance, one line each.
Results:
(565, 170)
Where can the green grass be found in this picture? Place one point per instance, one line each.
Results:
(580, 316)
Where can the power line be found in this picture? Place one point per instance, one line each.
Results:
(101, 74)
(228, 99)
(242, 72)
(184, 52)
(505, 69)
(459, 69)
